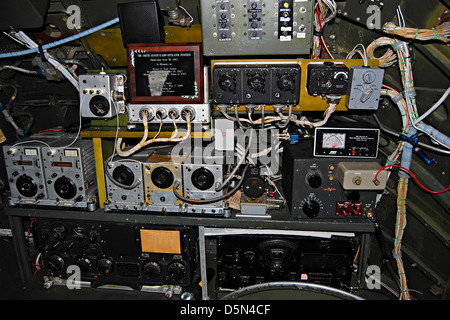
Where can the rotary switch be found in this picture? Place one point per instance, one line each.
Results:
(84, 263)
(314, 179)
(257, 82)
(152, 269)
(311, 206)
(176, 271)
(56, 263)
(227, 83)
(105, 266)
(286, 83)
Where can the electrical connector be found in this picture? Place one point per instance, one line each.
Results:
(422, 155)
(414, 139)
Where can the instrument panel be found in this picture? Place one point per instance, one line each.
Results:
(249, 114)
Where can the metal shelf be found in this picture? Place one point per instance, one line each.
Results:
(280, 220)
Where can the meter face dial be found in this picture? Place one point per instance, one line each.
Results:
(99, 106)
(333, 141)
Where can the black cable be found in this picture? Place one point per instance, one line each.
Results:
(386, 259)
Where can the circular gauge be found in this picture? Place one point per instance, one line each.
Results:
(202, 179)
(65, 188)
(55, 263)
(26, 186)
(333, 141)
(123, 175)
(162, 177)
(99, 106)
(79, 232)
(176, 271)
(58, 231)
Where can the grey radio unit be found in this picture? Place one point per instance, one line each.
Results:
(125, 182)
(255, 27)
(101, 95)
(53, 170)
(203, 172)
(25, 170)
(70, 173)
(163, 174)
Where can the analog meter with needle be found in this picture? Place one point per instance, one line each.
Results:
(99, 106)
(347, 142)
(333, 140)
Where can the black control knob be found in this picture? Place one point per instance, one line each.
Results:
(257, 82)
(152, 269)
(202, 178)
(227, 83)
(162, 177)
(84, 263)
(26, 186)
(123, 175)
(55, 263)
(176, 271)
(105, 266)
(314, 180)
(65, 188)
(286, 83)
(311, 208)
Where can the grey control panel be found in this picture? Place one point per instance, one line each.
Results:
(252, 27)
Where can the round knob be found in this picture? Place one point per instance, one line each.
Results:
(254, 187)
(84, 264)
(55, 263)
(257, 83)
(123, 175)
(311, 208)
(286, 83)
(314, 181)
(65, 188)
(202, 178)
(104, 266)
(152, 269)
(227, 83)
(177, 271)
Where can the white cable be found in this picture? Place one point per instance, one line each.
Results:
(117, 133)
(31, 44)
(400, 17)
(191, 18)
(362, 53)
(434, 107)
(18, 69)
(30, 141)
(241, 161)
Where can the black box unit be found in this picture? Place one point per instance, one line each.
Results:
(117, 254)
(312, 188)
(257, 84)
(251, 259)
